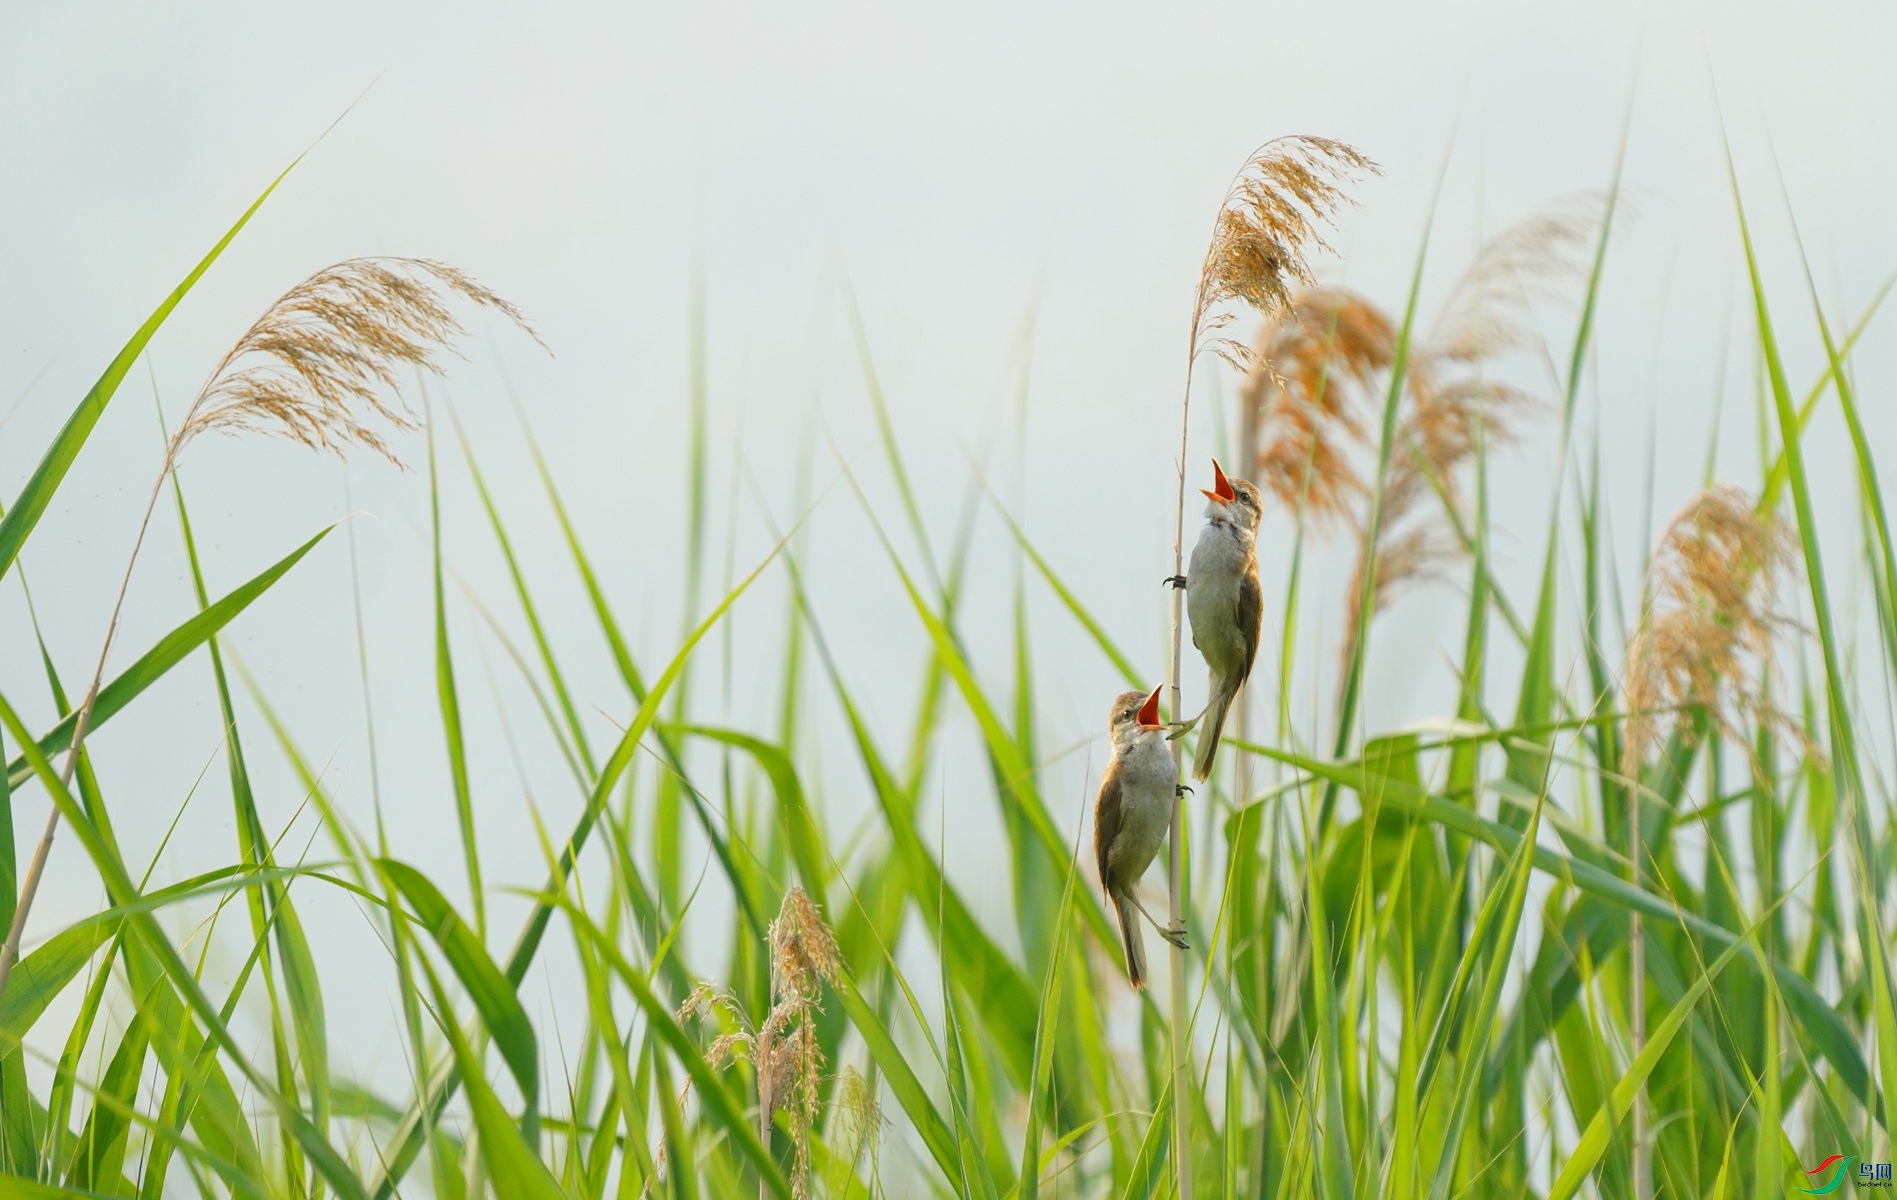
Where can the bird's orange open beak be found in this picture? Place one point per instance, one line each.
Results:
(1149, 711)
(1221, 486)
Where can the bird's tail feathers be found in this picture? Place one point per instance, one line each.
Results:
(1210, 727)
(1131, 939)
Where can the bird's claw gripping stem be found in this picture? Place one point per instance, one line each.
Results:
(1176, 936)
(1178, 581)
(1179, 790)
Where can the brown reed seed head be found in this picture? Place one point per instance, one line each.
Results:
(1284, 193)
(803, 952)
(1311, 371)
(1455, 403)
(1713, 583)
(316, 366)
(804, 956)
(1488, 311)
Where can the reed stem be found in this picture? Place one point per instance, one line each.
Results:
(1176, 877)
(29, 888)
(1637, 1002)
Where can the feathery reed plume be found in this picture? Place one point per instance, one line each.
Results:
(1453, 402)
(1487, 313)
(1712, 591)
(783, 1047)
(1713, 584)
(316, 366)
(1286, 190)
(1311, 372)
(318, 363)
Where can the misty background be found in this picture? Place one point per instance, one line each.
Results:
(1015, 197)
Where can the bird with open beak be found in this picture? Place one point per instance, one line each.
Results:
(1224, 603)
(1131, 817)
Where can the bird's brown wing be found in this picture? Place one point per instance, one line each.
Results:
(1251, 612)
(1106, 822)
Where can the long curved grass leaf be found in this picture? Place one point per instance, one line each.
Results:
(151, 940)
(1594, 1140)
(515, 1170)
(400, 1152)
(168, 653)
(795, 818)
(43, 974)
(449, 700)
(527, 608)
(713, 1094)
(1070, 601)
(493, 996)
(269, 907)
(1821, 1022)
(1046, 1033)
(33, 499)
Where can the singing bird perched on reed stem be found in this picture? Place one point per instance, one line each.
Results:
(1131, 817)
(1224, 603)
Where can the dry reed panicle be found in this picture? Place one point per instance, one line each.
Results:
(783, 1047)
(1283, 194)
(803, 952)
(315, 367)
(1714, 583)
(312, 368)
(1311, 373)
(1454, 404)
(1488, 311)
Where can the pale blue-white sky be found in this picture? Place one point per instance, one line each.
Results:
(985, 180)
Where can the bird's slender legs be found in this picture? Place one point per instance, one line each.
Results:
(1176, 936)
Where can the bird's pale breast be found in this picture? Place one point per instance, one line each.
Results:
(1218, 560)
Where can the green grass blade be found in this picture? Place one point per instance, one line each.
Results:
(99, 1155)
(513, 1166)
(407, 1143)
(271, 906)
(1070, 601)
(150, 940)
(44, 973)
(33, 499)
(910, 1094)
(1820, 1021)
(1587, 1153)
(554, 675)
(794, 814)
(493, 996)
(1777, 475)
(1359, 628)
(450, 701)
(887, 433)
(1015, 776)
(168, 653)
(1046, 1034)
(712, 1092)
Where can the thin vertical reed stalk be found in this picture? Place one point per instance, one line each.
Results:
(1285, 190)
(1712, 608)
(29, 888)
(1180, 1014)
(318, 357)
